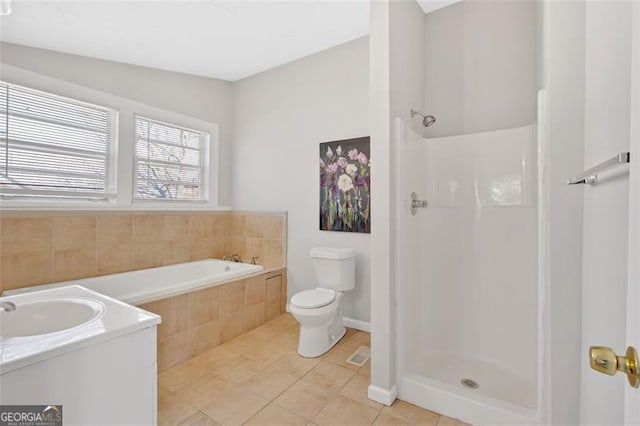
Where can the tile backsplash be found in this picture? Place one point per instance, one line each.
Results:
(43, 247)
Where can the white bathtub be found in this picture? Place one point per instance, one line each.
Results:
(147, 285)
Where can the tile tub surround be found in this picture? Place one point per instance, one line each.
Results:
(259, 379)
(195, 322)
(38, 247)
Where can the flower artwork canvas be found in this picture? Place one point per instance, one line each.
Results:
(345, 186)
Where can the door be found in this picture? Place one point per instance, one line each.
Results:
(611, 245)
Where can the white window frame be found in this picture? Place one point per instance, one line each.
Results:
(124, 148)
(48, 198)
(205, 165)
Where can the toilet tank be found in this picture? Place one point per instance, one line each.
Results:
(335, 268)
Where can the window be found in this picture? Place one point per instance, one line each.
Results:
(54, 147)
(169, 162)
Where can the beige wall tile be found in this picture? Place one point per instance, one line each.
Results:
(233, 298)
(256, 316)
(173, 350)
(175, 252)
(253, 225)
(115, 229)
(173, 311)
(26, 269)
(253, 248)
(114, 258)
(26, 235)
(236, 246)
(204, 306)
(219, 247)
(200, 227)
(273, 228)
(273, 253)
(147, 255)
(74, 263)
(147, 228)
(221, 225)
(237, 225)
(200, 249)
(233, 326)
(175, 228)
(204, 337)
(70, 232)
(256, 290)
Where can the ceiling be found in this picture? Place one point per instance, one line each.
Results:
(225, 39)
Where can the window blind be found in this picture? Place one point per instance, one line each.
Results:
(52, 146)
(169, 161)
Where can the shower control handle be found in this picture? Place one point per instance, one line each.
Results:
(416, 204)
(605, 360)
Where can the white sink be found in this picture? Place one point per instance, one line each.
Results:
(45, 316)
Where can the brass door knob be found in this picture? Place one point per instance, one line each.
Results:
(606, 361)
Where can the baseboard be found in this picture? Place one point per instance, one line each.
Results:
(349, 322)
(357, 324)
(381, 395)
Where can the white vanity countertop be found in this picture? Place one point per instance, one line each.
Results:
(117, 319)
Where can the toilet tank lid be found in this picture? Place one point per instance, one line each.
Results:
(334, 253)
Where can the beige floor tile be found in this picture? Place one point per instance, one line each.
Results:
(171, 409)
(366, 368)
(217, 356)
(360, 338)
(448, 421)
(303, 398)
(275, 415)
(240, 369)
(235, 407)
(266, 353)
(328, 376)
(205, 390)
(345, 411)
(295, 364)
(265, 332)
(341, 353)
(411, 413)
(199, 419)
(181, 375)
(283, 321)
(385, 419)
(270, 384)
(357, 389)
(288, 338)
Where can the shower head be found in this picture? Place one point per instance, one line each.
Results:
(427, 120)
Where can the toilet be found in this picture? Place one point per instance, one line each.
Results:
(318, 311)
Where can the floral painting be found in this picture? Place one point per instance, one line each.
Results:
(345, 186)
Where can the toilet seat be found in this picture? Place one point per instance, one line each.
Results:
(311, 299)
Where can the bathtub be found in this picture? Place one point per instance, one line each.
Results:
(147, 285)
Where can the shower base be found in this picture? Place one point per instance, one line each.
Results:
(435, 383)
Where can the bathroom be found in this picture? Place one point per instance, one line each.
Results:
(502, 284)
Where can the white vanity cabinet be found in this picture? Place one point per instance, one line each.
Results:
(106, 377)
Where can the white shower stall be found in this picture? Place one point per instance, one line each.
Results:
(468, 291)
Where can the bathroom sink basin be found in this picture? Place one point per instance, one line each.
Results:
(47, 316)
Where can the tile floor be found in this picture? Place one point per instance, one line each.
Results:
(259, 379)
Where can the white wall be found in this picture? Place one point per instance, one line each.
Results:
(606, 207)
(480, 66)
(564, 80)
(280, 117)
(198, 97)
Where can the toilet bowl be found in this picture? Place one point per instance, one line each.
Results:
(321, 325)
(319, 310)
